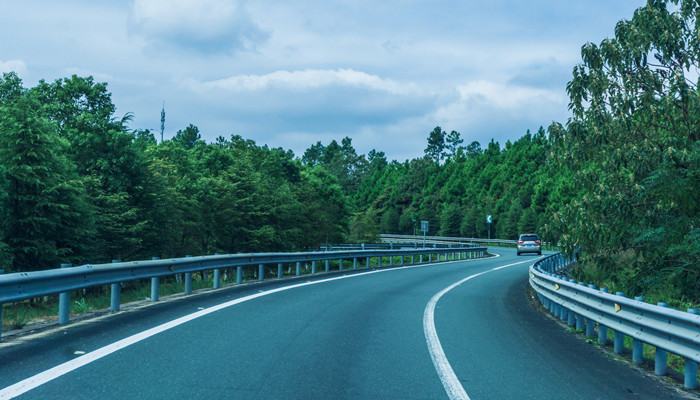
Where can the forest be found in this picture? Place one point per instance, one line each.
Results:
(618, 180)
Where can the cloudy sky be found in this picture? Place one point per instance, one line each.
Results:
(289, 74)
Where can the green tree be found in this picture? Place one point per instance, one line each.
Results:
(436, 145)
(389, 222)
(47, 220)
(633, 144)
(453, 143)
(451, 220)
(473, 149)
(312, 156)
(188, 137)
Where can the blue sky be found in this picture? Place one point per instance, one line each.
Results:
(384, 73)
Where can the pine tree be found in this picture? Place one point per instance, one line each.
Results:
(47, 218)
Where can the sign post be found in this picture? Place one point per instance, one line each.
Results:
(488, 221)
(424, 228)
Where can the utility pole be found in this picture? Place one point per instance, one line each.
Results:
(162, 122)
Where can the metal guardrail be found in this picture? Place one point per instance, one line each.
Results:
(394, 245)
(447, 239)
(583, 306)
(26, 285)
(450, 239)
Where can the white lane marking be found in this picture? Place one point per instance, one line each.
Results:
(43, 377)
(447, 375)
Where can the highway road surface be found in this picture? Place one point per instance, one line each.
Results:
(446, 330)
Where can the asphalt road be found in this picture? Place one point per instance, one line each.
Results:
(351, 336)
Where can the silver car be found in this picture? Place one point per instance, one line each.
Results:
(529, 243)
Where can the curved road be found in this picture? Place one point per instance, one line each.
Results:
(458, 329)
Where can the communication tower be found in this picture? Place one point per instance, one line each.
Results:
(162, 122)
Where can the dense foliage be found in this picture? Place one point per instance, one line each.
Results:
(633, 141)
(619, 179)
(77, 185)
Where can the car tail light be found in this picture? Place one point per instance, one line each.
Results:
(537, 241)
(520, 242)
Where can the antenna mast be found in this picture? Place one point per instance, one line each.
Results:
(162, 122)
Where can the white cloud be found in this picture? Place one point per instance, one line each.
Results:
(482, 110)
(17, 66)
(305, 80)
(506, 97)
(208, 26)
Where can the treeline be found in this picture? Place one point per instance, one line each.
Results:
(454, 188)
(77, 186)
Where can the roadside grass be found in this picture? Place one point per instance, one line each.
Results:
(45, 309)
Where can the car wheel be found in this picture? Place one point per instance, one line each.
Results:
(518, 253)
(539, 253)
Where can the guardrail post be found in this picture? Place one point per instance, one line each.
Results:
(602, 329)
(340, 264)
(619, 346)
(412, 258)
(367, 264)
(590, 325)
(391, 260)
(64, 303)
(379, 261)
(402, 259)
(155, 285)
(217, 278)
(298, 268)
(430, 258)
(580, 324)
(638, 345)
(188, 280)
(239, 274)
(691, 367)
(313, 267)
(354, 263)
(328, 265)
(115, 294)
(660, 360)
(563, 312)
(261, 272)
(572, 315)
(280, 272)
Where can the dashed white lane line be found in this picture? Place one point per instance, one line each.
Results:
(41, 378)
(450, 382)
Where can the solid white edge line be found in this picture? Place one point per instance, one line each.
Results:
(41, 378)
(454, 389)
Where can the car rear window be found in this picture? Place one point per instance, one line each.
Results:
(529, 238)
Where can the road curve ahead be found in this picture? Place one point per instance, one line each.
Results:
(447, 330)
